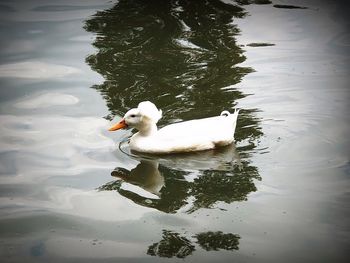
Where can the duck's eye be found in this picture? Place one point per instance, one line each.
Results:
(132, 115)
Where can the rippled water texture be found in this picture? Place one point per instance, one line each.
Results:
(70, 191)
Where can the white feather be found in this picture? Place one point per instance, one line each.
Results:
(150, 110)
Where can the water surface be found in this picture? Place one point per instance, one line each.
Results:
(72, 192)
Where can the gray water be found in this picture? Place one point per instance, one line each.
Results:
(70, 191)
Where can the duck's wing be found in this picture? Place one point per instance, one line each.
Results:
(214, 128)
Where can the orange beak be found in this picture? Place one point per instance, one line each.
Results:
(120, 125)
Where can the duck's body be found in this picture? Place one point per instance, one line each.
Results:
(188, 136)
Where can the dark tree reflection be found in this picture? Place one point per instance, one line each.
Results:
(218, 240)
(180, 54)
(175, 245)
(228, 187)
(183, 56)
(172, 245)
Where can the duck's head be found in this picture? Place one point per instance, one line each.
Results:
(142, 118)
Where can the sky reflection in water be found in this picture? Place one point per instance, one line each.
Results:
(69, 193)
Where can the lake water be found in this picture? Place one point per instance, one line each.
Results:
(70, 191)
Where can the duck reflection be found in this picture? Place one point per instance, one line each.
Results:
(175, 245)
(145, 175)
(188, 182)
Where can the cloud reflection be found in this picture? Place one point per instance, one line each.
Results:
(46, 100)
(36, 70)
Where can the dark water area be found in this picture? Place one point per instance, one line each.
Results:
(70, 191)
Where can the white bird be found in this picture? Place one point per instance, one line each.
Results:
(187, 136)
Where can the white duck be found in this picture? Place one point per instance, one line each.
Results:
(187, 136)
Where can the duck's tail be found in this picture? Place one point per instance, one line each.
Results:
(233, 117)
